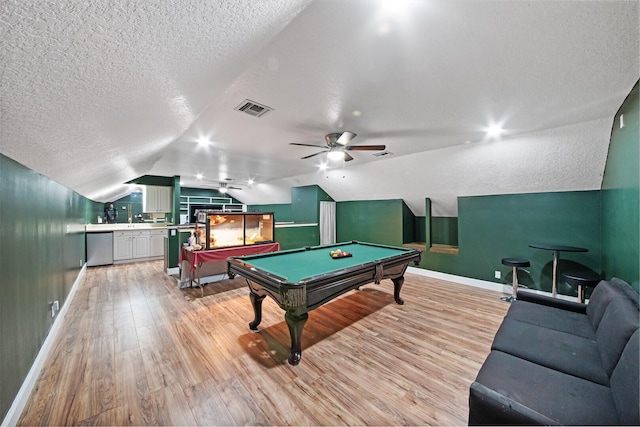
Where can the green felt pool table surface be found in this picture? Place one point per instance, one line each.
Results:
(297, 265)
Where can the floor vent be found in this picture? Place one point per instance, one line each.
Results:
(383, 153)
(253, 108)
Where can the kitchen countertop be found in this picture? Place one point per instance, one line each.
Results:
(95, 228)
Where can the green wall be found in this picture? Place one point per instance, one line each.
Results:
(304, 208)
(43, 246)
(498, 226)
(281, 212)
(620, 200)
(421, 229)
(297, 237)
(408, 224)
(379, 221)
(174, 244)
(444, 230)
(305, 203)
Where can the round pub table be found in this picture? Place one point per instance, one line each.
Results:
(556, 255)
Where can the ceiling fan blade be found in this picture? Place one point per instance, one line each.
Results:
(234, 188)
(366, 147)
(347, 157)
(312, 155)
(307, 145)
(345, 138)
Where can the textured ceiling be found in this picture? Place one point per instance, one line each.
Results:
(95, 94)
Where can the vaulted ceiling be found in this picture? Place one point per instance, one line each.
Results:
(95, 94)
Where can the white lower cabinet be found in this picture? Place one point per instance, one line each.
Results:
(138, 244)
(156, 243)
(140, 241)
(122, 245)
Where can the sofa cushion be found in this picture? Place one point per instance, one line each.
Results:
(624, 382)
(551, 318)
(557, 350)
(561, 397)
(619, 322)
(601, 296)
(550, 301)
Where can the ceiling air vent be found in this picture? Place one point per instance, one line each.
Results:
(382, 154)
(253, 108)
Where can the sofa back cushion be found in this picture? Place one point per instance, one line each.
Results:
(624, 383)
(619, 322)
(602, 296)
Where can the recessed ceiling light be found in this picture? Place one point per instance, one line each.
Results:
(494, 131)
(203, 141)
(250, 182)
(323, 166)
(199, 176)
(356, 113)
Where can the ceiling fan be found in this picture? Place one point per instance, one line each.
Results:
(223, 187)
(338, 145)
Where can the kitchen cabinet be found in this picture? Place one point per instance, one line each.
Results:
(156, 243)
(138, 244)
(156, 199)
(122, 245)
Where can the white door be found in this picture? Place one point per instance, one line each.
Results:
(327, 223)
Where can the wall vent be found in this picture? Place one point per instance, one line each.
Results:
(253, 108)
(383, 153)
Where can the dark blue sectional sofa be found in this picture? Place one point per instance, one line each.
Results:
(557, 362)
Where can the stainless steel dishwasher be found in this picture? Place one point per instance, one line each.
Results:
(99, 248)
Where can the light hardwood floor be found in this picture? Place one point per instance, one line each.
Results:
(134, 349)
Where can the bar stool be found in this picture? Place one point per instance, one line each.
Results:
(515, 263)
(582, 279)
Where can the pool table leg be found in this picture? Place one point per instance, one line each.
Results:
(397, 285)
(295, 324)
(256, 303)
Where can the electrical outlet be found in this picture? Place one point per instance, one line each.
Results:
(54, 306)
(498, 274)
(621, 121)
(81, 263)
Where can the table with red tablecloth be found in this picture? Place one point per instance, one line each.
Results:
(191, 261)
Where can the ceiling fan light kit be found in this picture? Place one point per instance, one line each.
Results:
(337, 146)
(336, 155)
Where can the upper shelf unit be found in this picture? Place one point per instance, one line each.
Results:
(188, 205)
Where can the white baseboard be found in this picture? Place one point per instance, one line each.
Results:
(498, 287)
(504, 288)
(13, 415)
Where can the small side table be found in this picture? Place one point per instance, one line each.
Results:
(582, 279)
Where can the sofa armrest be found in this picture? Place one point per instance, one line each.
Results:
(552, 302)
(488, 407)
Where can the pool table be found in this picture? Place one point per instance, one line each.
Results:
(300, 280)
